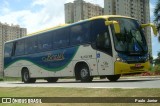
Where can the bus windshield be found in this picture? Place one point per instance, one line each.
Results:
(131, 40)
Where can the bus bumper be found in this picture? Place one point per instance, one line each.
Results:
(125, 68)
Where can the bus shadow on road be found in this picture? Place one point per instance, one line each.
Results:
(94, 81)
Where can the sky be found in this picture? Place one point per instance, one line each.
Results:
(41, 14)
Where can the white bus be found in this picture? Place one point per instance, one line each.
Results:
(105, 46)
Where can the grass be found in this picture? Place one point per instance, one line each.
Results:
(10, 79)
(78, 92)
(1, 79)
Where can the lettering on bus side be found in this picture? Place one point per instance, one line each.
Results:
(86, 57)
(54, 57)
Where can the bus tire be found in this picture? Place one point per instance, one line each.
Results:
(52, 80)
(26, 77)
(113, 78)
(85, 74)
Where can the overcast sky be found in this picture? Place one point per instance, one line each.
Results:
(40, 14)
(35, 14)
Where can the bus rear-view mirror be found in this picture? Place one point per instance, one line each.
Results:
(115, 24)
(151, 25)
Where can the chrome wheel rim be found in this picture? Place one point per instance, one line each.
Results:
(84, 73)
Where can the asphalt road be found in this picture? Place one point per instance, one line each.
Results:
(131, 83)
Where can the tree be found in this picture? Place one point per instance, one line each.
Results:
(157, 65)
(151, 59)
(157, 17)
(157, 60)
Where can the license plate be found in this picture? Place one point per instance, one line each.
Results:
(138, 65)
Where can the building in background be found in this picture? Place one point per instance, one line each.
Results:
(138, 9)
(9, 32)
(80, 10)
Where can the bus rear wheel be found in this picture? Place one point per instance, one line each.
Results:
(26, 77)
(52, 80)
(113, 78)
(85, 74)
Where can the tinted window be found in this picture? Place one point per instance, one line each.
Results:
(19, 48)
(31, 45)
(103, 41)
(8, 49)
(80, 33)
(98, 27)
(131, 38)
(61, 38)
(100, 36)
(45, 41)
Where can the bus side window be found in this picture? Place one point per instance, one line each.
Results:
(8, 49)
(76, 34)
(19, 48)
(86, 32)
(45, 41)
(100, 36)
(61, 38)
(103, 41)
(80, 33)
(31, 45)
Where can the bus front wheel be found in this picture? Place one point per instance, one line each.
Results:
(85, 74)
(26, 77)
(113, 78)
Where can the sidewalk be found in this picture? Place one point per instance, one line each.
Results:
(139, 77)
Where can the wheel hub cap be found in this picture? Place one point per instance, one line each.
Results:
(84, 73)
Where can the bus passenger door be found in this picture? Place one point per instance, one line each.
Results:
(105, 63)
(102, 43)
(104, 54)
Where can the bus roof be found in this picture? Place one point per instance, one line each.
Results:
(48, 29)
(65, 25)
(110, 16)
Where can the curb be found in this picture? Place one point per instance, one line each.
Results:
(141, 77)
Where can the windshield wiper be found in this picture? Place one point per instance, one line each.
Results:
(126, 37)
(137, 42)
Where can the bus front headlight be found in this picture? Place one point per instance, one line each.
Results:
(120, 59)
